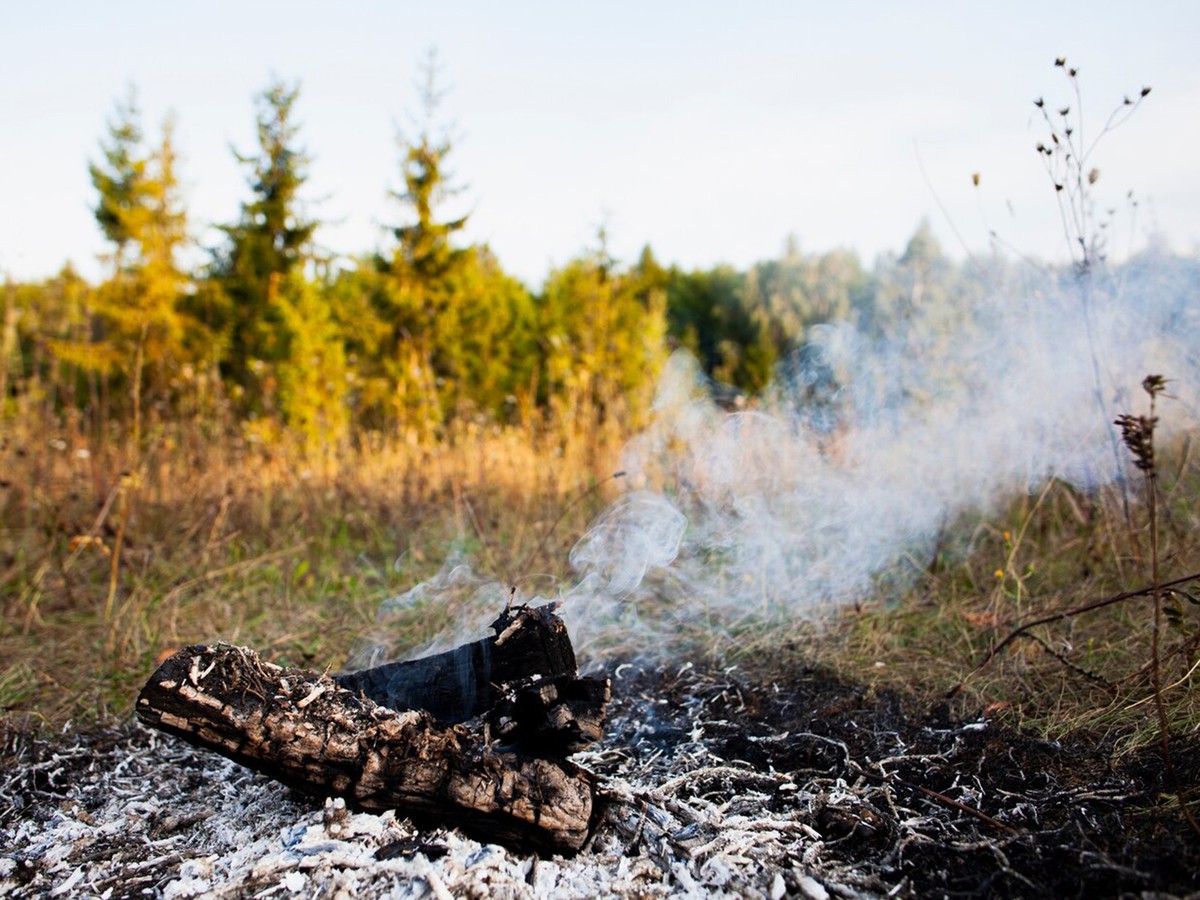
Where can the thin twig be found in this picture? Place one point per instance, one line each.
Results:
(234, 567)
(1066, 614)
(1170, 687)
(579, 498)
(889, 778)
(1073, 666)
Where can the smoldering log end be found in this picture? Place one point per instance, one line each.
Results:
(466, 681)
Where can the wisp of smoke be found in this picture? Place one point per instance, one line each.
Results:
(867, 446)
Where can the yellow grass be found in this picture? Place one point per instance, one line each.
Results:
(109, 558)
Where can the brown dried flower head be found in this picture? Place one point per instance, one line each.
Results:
(1137, 432)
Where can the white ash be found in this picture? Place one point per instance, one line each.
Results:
(144, 814)
(135, 813)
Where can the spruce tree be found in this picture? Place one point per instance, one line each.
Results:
(118, 178)
(417, 297)
(142, 331)
(271, 240)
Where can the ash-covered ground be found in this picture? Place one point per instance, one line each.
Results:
(718, 786)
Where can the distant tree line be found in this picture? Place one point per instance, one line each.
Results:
(273, 334)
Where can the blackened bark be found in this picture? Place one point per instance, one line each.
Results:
(501, 776)
(464, 682)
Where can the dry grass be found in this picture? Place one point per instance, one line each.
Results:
(108, 559)
(204, 539)
(1049, 554)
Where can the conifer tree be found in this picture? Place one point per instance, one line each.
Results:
(710, 315)
(603, 332)
(312, 372)
(271, 240)
(142, 330)
(118, 179)
(424, 249)
(143, 307)
(489, 349)
(417, 296)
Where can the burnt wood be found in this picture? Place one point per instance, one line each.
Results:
(499, 775)
(551, 716)
(462, 683)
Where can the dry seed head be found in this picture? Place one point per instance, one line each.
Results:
(1154, 385)
(79, 541)
(1137, 432)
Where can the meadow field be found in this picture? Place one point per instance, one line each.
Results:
(113, 557)
(969, 484)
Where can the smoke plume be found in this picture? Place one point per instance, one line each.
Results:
(867, 447)
(843, 478)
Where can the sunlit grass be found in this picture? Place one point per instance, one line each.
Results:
(260, 546)
(295, 557)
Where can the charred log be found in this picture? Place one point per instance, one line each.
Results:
(464, 682)
(499, 776)
(552, 716)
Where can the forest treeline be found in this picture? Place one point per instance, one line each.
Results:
(273, 335)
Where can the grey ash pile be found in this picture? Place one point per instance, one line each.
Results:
(716, 786)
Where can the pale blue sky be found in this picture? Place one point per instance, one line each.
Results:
(710, 131)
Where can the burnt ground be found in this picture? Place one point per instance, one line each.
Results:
(931, 807)
(804, 785)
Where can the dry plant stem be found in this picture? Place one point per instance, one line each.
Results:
(127, 485)
(1151, 474)
(1079, 670)
(115, 569)
(484, 545)
(969, 810)
(1155, 662)
(1066, 160)
(34, 593)
(1010, 562)
(31, 597)
(234, 568)
(1085, 292)
(1067, 614)
(938, 796)
(1182, 680)
(563, 514)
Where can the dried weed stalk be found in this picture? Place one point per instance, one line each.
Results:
(1068, 159)
(1137, 432)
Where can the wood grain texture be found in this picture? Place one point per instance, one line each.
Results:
(500, 777)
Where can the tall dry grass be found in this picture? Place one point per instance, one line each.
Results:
(1065, 559)
(112, 553)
